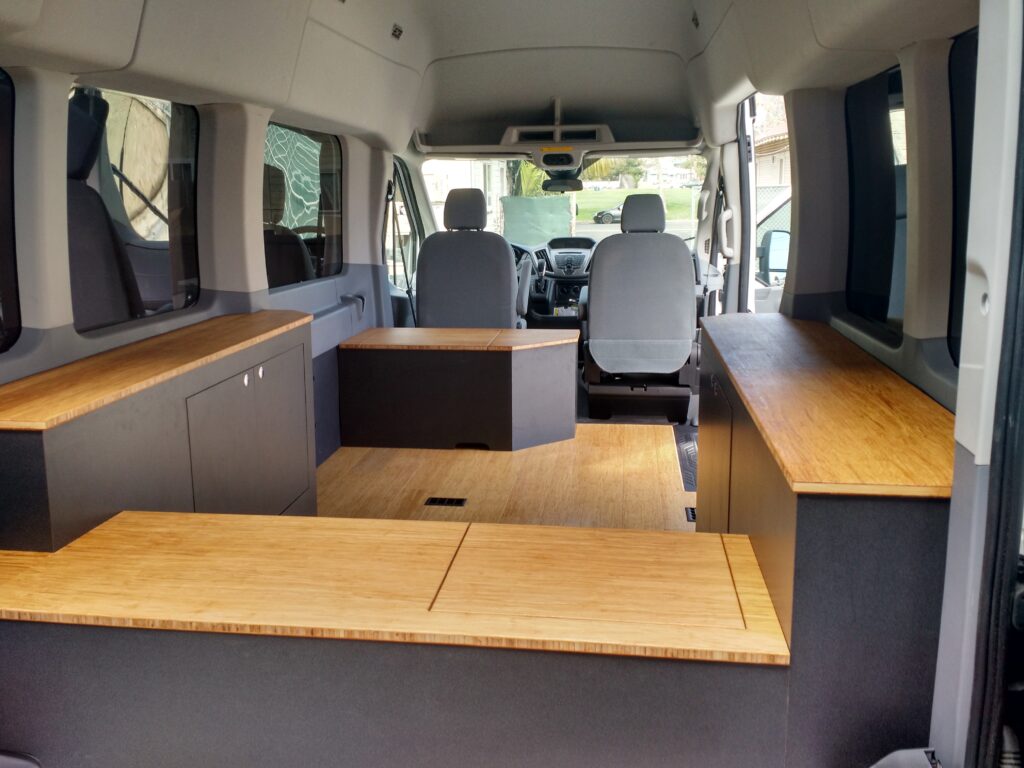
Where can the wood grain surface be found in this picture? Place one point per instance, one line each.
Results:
(609, 476)
(667, 595)
(50, 398)
(835, 419)
(461, 339)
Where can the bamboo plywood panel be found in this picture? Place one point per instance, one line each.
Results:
(835, 419)
(461, 339)
(609, 476)
(48, 399)
(464, 339)
(529, 338)
(13, 563)
(597, 574)
(377, 580)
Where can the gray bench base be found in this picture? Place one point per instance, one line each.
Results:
(398, 398)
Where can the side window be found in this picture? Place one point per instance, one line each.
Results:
(403, 232)
(963, 69)
(10, 311)
(774, 194)
(131, 206)
(301, 205)
(877, 146)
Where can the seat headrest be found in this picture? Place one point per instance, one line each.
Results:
(275, 191)
(643, 213)
(465, 209)
(87, 119)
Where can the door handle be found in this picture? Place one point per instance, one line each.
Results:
(259, 372)
(245, 380)
(723, 233)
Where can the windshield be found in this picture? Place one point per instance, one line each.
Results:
(519, 209)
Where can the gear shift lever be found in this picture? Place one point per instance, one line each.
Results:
(542, 270)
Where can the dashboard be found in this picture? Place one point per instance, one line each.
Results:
(568, 259)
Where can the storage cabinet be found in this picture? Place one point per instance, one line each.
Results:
(248, 439)
(213, 417)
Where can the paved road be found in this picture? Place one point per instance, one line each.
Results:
(683, 229)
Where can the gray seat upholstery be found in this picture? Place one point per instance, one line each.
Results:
(466, 278)
(642, 306)
(288, 259)
(103, 286)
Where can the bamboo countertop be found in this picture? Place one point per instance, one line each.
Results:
(460, 339)
(836, 420)
(50, 398)
(633, 593)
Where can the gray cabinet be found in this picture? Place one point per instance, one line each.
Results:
(248, 440)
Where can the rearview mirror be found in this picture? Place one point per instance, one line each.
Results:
(562, 185)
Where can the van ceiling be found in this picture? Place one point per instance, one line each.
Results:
(463, 70)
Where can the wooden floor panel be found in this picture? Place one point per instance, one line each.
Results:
(610, 476)
(633, 593)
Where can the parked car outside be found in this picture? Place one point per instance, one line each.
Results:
(609, 216)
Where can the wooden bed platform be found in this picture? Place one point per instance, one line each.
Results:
(609, 476)
(696, 597)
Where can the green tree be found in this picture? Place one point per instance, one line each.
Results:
(524, 179)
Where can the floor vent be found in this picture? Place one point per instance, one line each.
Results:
(691, 515)
(440, 501)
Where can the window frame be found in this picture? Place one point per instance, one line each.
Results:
(962, 150)
(402, 180)
(320, 267)
(10, 300)
(185, 277)
(865, 218)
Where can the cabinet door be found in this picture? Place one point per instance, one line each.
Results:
(222, 440)
(280, 422)
(714, 458)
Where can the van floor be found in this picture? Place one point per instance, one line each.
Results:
(609, 476)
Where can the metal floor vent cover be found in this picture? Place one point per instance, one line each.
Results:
(441, 501)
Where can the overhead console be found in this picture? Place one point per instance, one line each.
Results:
(558, 148)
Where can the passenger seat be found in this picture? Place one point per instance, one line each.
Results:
(642, 310)
(288, 259)
(466, 277)
(103, 286)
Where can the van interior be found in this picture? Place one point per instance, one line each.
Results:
(451, 383)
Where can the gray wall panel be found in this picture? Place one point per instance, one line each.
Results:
(866, 606)
(86, 697)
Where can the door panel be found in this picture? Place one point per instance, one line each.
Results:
(222, 439)
(280, 425)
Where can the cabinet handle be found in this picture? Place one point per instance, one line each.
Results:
(259, 371)
(245, 380)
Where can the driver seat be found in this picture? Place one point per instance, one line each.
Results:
(466, 277)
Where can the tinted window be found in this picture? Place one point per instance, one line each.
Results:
(963, 68)
(877, 151)
(10, 312)
(301, 205)
(131, 206)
